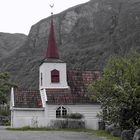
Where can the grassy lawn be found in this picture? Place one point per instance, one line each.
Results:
(106, 135)
(100, 133)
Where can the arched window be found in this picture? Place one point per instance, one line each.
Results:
(55, 76)
(61, 112)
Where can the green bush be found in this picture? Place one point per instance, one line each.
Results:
(4, 113)
(118, 91)
(74, 116)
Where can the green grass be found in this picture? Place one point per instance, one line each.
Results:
(27, 128)
(100, 133)
(106, 135)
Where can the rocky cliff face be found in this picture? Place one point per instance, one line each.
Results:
(87, 35)
(9, 43)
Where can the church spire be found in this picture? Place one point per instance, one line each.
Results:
(52, 51)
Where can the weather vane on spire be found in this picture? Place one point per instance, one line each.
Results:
(52, 5)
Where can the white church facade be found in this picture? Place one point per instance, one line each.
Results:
(60, 92)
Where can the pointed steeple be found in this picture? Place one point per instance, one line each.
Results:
(52, 51)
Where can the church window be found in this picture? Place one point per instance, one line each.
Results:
(55, 76)
(61, 112)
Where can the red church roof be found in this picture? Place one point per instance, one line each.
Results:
(52, 51)
(78, 82)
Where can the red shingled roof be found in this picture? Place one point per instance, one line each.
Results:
(68, 99)
(78, 82)
(27, 99)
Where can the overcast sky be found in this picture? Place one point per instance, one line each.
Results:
(17, 16)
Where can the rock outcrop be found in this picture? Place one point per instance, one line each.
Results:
(10, 43)
(126, 135)
(87, 36)
(137, 135)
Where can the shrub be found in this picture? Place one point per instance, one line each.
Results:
(74, 116)
(4, 113)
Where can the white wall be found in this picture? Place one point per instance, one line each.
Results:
(43, 118)
(21, 118)
(89, 112)
(46, 69)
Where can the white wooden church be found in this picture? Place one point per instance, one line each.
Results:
(60, 92)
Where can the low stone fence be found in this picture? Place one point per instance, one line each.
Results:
(67, 123)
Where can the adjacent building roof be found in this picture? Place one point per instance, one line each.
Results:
(27, 99)
(76, 94)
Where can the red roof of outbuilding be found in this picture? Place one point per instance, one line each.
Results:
(27, 98)
(52, 51)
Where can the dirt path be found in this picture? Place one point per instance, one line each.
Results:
(45, 135)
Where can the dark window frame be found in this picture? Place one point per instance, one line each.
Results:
(61, 112)
(55, 76)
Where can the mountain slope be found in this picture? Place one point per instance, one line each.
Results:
(87, 35)
(9, 43)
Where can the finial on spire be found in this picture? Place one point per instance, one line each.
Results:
(52, 51)
(52, 5)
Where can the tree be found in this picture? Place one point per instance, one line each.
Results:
(118, 91)
(4, 87)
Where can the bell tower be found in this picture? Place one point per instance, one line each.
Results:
(52, 71)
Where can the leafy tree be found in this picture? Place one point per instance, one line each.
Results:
(118, 91)
(4, 87)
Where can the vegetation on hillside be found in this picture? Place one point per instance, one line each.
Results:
(118, 91)
(5, 86)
